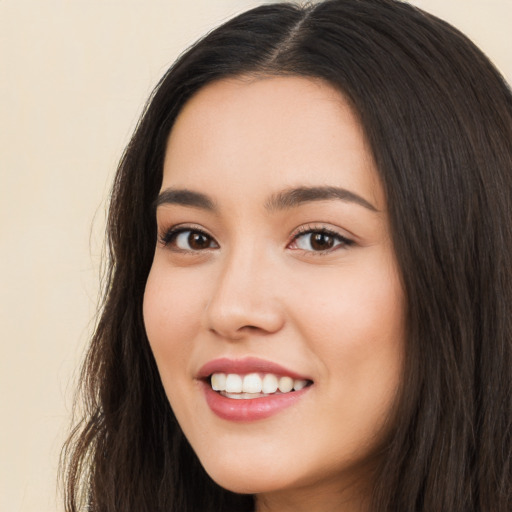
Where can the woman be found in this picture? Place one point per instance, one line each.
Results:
(308, 304)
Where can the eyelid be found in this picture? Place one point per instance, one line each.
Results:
(166, 235)
(311, 228)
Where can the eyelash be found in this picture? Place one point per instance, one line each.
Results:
(170, 236)
(308, 230)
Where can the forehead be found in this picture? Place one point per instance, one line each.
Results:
(270, 133)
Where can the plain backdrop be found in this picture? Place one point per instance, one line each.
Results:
(73, 80)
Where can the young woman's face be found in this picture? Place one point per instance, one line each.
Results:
(274, 267)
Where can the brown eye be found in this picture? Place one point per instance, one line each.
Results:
(188, 240)
(198, 241)
(320, 240)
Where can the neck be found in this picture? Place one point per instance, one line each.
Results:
(329, 498)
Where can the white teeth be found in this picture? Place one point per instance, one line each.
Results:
(241, 396)
(269, 384)
(254, 385)
(299, 384)
(233, 383)
(219, 381)
(285, 384)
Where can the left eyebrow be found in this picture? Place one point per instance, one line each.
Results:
(293, 197)
(185, 197)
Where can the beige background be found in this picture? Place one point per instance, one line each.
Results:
(74, 76)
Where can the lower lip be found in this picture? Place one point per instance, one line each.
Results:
(252, 409)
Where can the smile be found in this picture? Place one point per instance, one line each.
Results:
(254, 385)
(250, 389)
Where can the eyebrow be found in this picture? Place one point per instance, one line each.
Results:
(293, 197)
(284, 200)
(185, 197)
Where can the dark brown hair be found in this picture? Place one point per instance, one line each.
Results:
(438, 117)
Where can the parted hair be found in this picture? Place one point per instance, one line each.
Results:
(438, 119)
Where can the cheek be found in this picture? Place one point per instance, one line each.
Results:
(360, 306)
(353, 323)
(171, 311)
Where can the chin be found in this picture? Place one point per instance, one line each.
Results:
(247, 480)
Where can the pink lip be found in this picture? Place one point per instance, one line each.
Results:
(250, 409)
(244, 366)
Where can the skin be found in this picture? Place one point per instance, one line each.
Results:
(256, 289)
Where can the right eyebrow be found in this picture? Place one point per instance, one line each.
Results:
(293, 197)
(185, 197)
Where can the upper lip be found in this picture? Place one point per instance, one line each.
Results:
(245, 366)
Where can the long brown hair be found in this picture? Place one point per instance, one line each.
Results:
(438, 117)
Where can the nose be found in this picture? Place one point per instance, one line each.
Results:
(244, 299)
